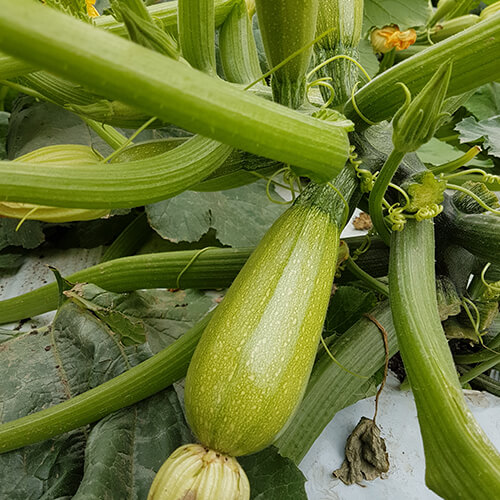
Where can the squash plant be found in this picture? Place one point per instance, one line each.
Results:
(196, 109)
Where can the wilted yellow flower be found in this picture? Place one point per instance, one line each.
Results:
(385, 39)
(91, 10)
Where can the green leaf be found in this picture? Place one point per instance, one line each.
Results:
(126, 449)
(239, 216)
(44, 367)
(29, 235)
(405, 14)
(273, 477)
(158, 316)
(346, 306)
(367, 57)
(437, 152)
(485, 102)
(489, 130)
(11, 261)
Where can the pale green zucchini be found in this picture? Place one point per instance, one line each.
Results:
(288, 26)
(250, 369)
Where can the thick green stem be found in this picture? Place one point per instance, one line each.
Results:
(480, 369)
(472, 53)
(165, 12)
(114, 185)
(238, 52)
(196, 23)
(377, 194)
(460, 460)
(129, 240)
(128, 388)
(168, 89)
(331, 388)
(215, 268)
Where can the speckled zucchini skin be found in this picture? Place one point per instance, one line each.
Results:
(250, 369)
(286, 27)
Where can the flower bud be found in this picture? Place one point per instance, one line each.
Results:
(389, 37)
(417, 120)
(194, 471)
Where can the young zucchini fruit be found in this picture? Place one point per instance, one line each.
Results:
(287, 26)
(344, 21)
(250, 369)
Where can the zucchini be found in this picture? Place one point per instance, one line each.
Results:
(288, 26)
(346, 20)
(460, 460)
(251, 367)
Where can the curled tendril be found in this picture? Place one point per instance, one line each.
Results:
(396, 217)
(429, 212)
(366, 178)
(493, 289)
(334, 58)
(190, 263)
(321, 82)
(476, 198)
(363, 248)
(337, 362)
(271, 181)
(129, 140)
(403, 192)
(487, 178)
(355, 106)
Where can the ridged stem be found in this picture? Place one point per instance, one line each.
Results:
(132, 386)
(214, 268)
(167, 88)
(196, 24)
(472, 53)
(238, 51)
(377, 194)
(460, 460)
(331, 388)
(113, 185)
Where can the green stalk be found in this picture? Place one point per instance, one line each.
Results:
(460, 460)
(168, 89)
(371, 282)
(480, 369)
(10, 67)
(129, 240)
(346, 19)
(377, 194)
(196, 23)
(114, 185)
(472, 52)
(214, 268)
(135, 384)
(238, 51)
(331, 387)
(106, 132)
(166, 13)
